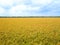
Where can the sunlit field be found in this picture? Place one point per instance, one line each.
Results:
(29, 31)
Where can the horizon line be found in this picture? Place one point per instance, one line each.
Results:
(29, 16)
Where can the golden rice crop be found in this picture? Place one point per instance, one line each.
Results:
(29, 31)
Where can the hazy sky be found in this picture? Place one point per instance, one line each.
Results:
(29, 7)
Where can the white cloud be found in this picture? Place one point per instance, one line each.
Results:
(41, 2)
(2, 10)
(20, 9)
(30, 8)
(19, 1)
(17, 9)
(6, 2)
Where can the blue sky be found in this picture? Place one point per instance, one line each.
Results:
(29, 7)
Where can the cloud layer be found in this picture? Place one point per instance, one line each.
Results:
(29, 7)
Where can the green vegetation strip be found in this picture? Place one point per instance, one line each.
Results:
(29, 16)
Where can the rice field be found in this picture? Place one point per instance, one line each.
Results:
(29, 31)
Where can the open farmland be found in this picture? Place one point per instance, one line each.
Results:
(29, 31)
